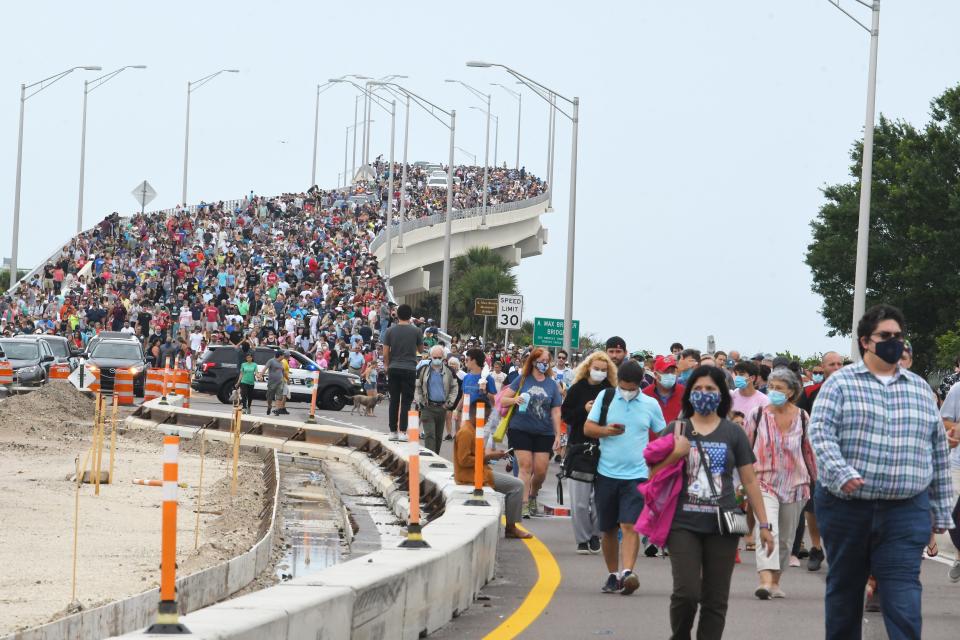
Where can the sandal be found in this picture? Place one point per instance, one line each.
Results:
(751, 546)
(933, 549)
(516, 533)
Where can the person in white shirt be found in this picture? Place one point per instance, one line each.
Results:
(195, 339)
(127, 329)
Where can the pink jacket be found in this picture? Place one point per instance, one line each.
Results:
(659, 494)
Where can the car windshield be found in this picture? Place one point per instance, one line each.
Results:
(59, 347)
(117, 351)
(21, 350)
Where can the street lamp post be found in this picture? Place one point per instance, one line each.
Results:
(191, 87)
(519, 97)
(496, 132)
(366, 111)
(574, 117)
(403, 179)
(486, 150)
(430, 108)
(866, 173)
(88, 86)
(472, 156)
(41, 85)
(346, 143)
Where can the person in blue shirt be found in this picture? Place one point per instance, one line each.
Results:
(623, 437)
(475, 386)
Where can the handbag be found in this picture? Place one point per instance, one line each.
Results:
(582, 459)
(731, 521)
(501, 430)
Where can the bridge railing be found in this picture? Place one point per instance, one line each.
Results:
(458, 214)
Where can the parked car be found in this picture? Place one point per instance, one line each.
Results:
(218, 369)
(62, 350)
(30, 358)
(110, 354)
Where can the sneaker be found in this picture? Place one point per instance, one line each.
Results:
(612, 585)
(394, 437)
(777, 592)
(269, 411)
(651, 550)
(630, 583)
(954, 573)
(816, 559)
(664, 552)
(594, 545)
(762, 593)
(803, 553)
(284, 411)
(794, 561)
(276, 412)
(583, 549)
(557, 458)
(403, 437)
(533, 509)
(448, 437)
(525, 511)
(873, 603)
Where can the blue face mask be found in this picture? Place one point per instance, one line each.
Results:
(685, 375)
(740, 382)
(818, 378)
(542, 367)
(436, 362)
(705, 402)
(777, 398)
(667, 380)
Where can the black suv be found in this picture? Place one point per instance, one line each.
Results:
(218, 368)
(108, 355)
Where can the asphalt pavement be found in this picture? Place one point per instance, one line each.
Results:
(578, 610)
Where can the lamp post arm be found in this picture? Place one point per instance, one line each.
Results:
(47, 82)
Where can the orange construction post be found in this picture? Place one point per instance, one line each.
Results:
(478, 462)
(313, 398)
(414, 532)
(164, 385)
(167, 616)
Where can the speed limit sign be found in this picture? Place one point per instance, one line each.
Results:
(509, 311)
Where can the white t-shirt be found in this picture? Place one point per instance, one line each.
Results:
(195, 339)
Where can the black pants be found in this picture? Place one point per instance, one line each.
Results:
(702, 569)
(246, 395)
(402, 384)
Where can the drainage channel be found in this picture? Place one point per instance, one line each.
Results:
(329, 514)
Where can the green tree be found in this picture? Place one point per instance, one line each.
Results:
(914, 229)
(480, 273)
(948, 348)
(5, 278)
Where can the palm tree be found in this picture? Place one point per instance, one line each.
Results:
(480, 273)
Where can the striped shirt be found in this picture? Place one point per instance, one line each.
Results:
(889, 435)
(780, 467)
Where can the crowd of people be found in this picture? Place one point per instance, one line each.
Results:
(294, 272)
(697, 456)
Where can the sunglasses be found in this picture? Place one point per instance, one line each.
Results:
(888, 335)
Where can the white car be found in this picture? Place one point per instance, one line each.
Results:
(437, 183)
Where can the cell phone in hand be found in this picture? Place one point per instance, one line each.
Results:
(618, 427)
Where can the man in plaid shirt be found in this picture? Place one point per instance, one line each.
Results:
(883, 480)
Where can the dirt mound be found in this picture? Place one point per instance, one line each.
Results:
(54, 409)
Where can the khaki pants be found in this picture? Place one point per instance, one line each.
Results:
(784, 517)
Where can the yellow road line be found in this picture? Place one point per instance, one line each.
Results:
(548, 579)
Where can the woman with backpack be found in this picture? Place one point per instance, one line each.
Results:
(785, 467)
(596, 373)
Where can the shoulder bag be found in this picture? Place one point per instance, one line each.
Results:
(731, 521)
(502, 426)
(582, 459)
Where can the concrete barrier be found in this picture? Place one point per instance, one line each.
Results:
(194, 591)
(390, 593)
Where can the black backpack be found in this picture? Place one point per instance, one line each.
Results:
(581, 461)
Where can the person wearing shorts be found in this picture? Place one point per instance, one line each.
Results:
(623, 436)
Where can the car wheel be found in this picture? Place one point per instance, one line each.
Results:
(223, 395)
(334, 399)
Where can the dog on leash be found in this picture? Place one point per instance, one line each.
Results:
(365, 404)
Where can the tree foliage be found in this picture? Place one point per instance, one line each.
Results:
(5, 278)
(480, 273)
(914, 229)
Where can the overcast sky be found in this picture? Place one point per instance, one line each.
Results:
(707, 130)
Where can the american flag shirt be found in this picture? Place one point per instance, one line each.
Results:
(888, 433)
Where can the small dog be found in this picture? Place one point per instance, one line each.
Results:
(366, 404)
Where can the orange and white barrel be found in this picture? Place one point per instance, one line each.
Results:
(181, 380)
(6, 373)
(153, 387)
(59, 371)
(92, 374)
(123, 387)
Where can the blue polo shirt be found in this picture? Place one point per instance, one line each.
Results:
(621, 457)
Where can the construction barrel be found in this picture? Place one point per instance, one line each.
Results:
(59, 371)
(153, 387)
(92, 374)
(123, 387)
(6, 373)
(181, 380)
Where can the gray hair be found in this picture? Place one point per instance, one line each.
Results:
(790, 379)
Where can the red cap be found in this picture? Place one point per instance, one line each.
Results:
(662, 363)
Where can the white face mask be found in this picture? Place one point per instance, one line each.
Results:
(598, 376)
(629, 395)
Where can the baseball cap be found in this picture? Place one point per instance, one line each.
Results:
(662, 363)
(615, 342)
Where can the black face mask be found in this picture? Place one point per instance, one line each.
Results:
(890, 350)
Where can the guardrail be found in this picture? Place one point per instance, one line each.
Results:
(459, 214)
